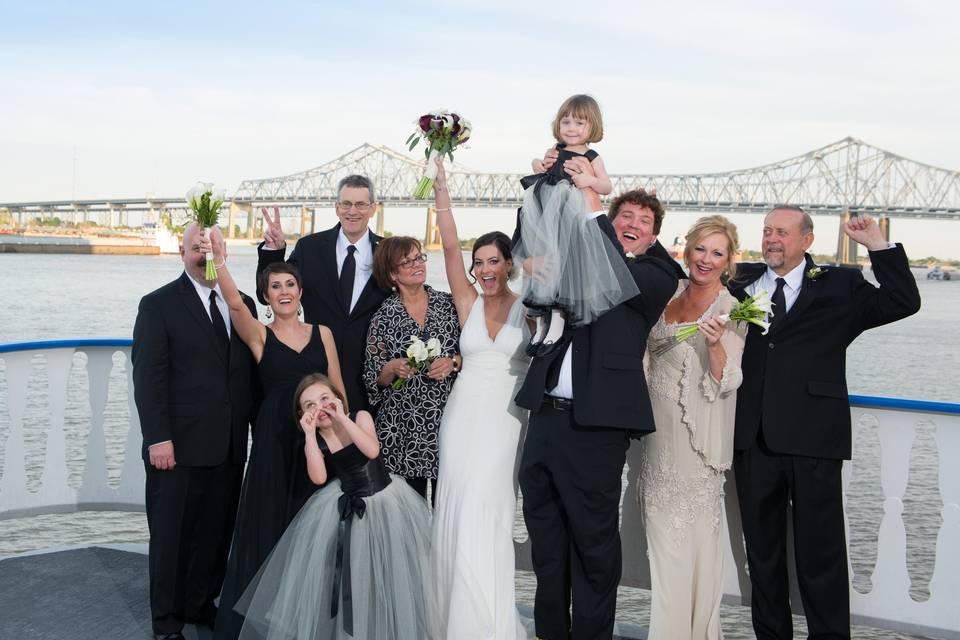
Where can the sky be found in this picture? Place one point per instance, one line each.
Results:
(114, 99)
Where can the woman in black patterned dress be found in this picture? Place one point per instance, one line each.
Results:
(408, 412)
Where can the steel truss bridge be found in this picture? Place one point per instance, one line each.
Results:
(846, 176)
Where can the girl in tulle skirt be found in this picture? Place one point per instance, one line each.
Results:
(351, 563)
(577, 269)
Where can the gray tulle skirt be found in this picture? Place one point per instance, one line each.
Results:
(290, 597)
(586, 275)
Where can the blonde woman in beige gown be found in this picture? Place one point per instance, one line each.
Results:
(693, 389)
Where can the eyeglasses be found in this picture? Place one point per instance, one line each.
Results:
(409, 262)
(346, 205)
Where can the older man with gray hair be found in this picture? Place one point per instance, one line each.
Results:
(335, 266)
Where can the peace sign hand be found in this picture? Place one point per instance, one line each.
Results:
(272, 231)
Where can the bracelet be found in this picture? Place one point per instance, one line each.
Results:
(456, 367)
(443, 209)
(221, 265)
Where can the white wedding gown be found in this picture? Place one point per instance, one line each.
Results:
(471, 578)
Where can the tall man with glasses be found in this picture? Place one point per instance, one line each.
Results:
(335, 266)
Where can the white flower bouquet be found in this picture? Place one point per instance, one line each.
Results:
(204, 205)
(419, 355)
(754, 309)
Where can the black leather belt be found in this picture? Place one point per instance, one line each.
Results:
(560, 404)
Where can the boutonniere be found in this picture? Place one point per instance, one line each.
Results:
(630, 256)
(815, 272)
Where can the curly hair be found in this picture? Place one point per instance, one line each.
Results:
(643, 200)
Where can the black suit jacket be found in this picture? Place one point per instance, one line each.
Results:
(315, 256)
(794, 379)
(186, 387)
(609, 387)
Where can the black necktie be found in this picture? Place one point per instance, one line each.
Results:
(779, 303)
(347, 274)
(219, 325)
(553, 369)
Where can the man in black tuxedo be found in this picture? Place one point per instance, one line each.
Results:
(793, 417)
(193, 385)
(586, 399)
(335, 266)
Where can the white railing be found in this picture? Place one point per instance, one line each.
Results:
(888, 604)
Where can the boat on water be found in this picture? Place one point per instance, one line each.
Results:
(938, 273)
(106, 584)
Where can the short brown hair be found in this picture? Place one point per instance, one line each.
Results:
(643, 200)
(263, 278)
(581, 106)
(308, 381)
(707, 226)
(390, 252)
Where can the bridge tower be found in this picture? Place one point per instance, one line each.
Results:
(846, 248)
(431, 238)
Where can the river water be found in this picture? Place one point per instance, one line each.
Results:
(81, 296)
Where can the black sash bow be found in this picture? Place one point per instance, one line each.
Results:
(348, 506)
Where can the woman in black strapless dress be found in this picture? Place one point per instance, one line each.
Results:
(351, 564)
(276, 483)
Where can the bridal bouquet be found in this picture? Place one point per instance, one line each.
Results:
(443, 131)
(204, 205)
(753, 309)
(419, 354)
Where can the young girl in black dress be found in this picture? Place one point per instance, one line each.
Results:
(578, 271)
(351, 563)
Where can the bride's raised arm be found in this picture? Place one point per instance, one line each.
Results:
(464, 293)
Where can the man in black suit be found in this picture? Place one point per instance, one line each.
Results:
(335, 266)
(193, 385)
(793, 417)
(586, 399)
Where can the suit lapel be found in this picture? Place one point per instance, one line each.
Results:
(192, 302)
(328, 258)
(747, 274)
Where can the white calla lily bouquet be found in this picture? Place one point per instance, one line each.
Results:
(419, 355)
(204, 203)
(753, 309)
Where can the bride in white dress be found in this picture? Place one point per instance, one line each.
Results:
(471, 577)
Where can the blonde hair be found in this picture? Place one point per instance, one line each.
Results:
(707, 226)
(581, 106)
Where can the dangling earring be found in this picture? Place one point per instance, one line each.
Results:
(268, 313)
(299, 311)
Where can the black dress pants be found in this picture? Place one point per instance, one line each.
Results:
(190, 514)
(768, 484)
(570, 476)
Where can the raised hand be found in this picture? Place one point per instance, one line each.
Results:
(440, 182)
(865, 230)
(272, 231)
(216, 245)
(308, 421)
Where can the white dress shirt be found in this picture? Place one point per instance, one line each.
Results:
(791, 285)
(364, 257)
(564, 388)
(204, 292)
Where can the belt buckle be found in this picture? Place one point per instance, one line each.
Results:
(560, 404)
